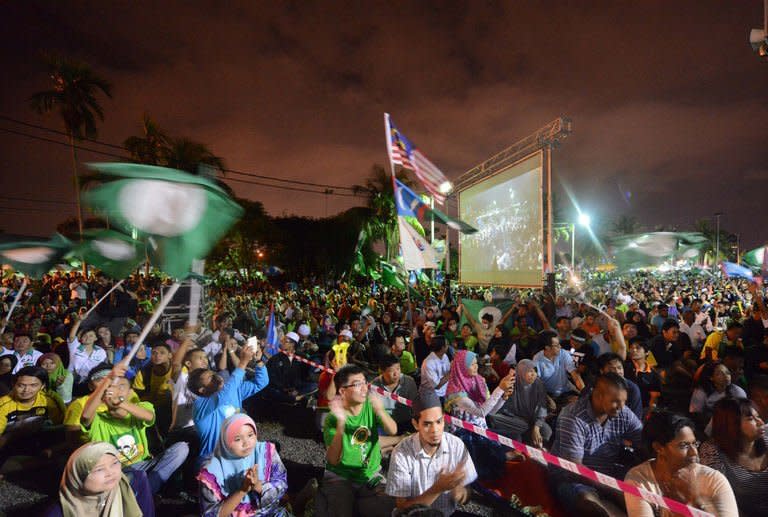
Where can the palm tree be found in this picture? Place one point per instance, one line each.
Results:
(74, 96)
(381, 223)
(152, 148)
(187, 155)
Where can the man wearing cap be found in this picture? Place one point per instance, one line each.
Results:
(432, 467)
(287, 375)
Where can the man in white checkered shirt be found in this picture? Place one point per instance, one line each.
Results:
(430, 468)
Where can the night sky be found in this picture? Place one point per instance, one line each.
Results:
(667, 98)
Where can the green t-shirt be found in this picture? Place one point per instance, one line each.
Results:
(360, 453)
(470, 343)
(128, 434)
(407, 362)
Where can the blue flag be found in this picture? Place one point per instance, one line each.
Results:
(273, 343)
(732, 270)
(409, 203)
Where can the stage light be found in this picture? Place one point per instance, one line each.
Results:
(446, 187)
(584, 219)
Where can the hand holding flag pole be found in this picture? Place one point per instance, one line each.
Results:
(14, 304)
(155, 316)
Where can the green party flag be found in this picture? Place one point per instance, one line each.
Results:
(115, 253)
(754, 258)
(181, 216)
(390, 276)
(35, 258)
(478, 308)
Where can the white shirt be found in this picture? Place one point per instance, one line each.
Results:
(703, 319)
(434, 369)
(80, 362)
(412, 471)
(183, 402)
(28, 359)
(695, 332)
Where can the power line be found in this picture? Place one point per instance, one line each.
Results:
(77, 146)
(65, 144)
(295, 189)
(28, 209)
(58, 131)
(57, 201)
(122, 148)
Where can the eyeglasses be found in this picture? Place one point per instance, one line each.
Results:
(356, 385)
(686, 446)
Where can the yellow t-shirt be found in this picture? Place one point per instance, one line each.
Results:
(46, 406)
(159, 386)
(75, 409)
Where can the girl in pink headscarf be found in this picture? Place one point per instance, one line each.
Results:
(467, 398)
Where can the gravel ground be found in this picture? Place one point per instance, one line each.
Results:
(25, 493)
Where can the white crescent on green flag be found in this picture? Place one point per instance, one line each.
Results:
(180, 215)
(478, 308)
(115, 253)
(652, 249)
(754, 258)
(35, 258)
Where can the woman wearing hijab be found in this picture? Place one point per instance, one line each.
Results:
(467, 398)
(244, 477)
(93, 485)
(60, 380)
(522, 415)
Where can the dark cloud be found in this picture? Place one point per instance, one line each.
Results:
(667, 98)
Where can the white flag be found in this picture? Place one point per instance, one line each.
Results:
(417, 253)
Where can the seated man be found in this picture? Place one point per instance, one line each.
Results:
(353, 484)
(407, 361)
(593, 431)
(288, 377)
(26, 413)
(153, 383)
(217, 400)
(611, 362)
(140, 360)
(75, 436)
(109, 416)
(431, 468)
(555, 366)
(393, 381)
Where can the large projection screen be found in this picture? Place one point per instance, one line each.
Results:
(506, 208)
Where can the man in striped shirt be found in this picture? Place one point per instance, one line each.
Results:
(595, 431)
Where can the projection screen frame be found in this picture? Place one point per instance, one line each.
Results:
(544, 189)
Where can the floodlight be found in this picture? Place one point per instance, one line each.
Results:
(584, 219)
(446, 187)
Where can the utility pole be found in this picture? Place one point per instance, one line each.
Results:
(717, 236)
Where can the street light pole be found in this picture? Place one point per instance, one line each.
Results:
(717, 236)
(573, 247)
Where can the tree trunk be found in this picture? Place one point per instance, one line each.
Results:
(76, 178)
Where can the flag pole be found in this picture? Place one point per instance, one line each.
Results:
(14, 304)
(155, 316)
(195, 292)
(388, 140)
(102, 299)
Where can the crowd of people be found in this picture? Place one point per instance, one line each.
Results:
(660, 381)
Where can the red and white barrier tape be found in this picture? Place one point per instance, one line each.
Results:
(545, 457)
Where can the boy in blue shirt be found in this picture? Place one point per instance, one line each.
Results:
(218, 400)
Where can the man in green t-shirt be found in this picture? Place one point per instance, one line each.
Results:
(353, 483)
(109, 416)
(407, 361)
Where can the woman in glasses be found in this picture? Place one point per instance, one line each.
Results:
(674, 471)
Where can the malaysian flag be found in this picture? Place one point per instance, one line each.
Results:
(403, 152)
